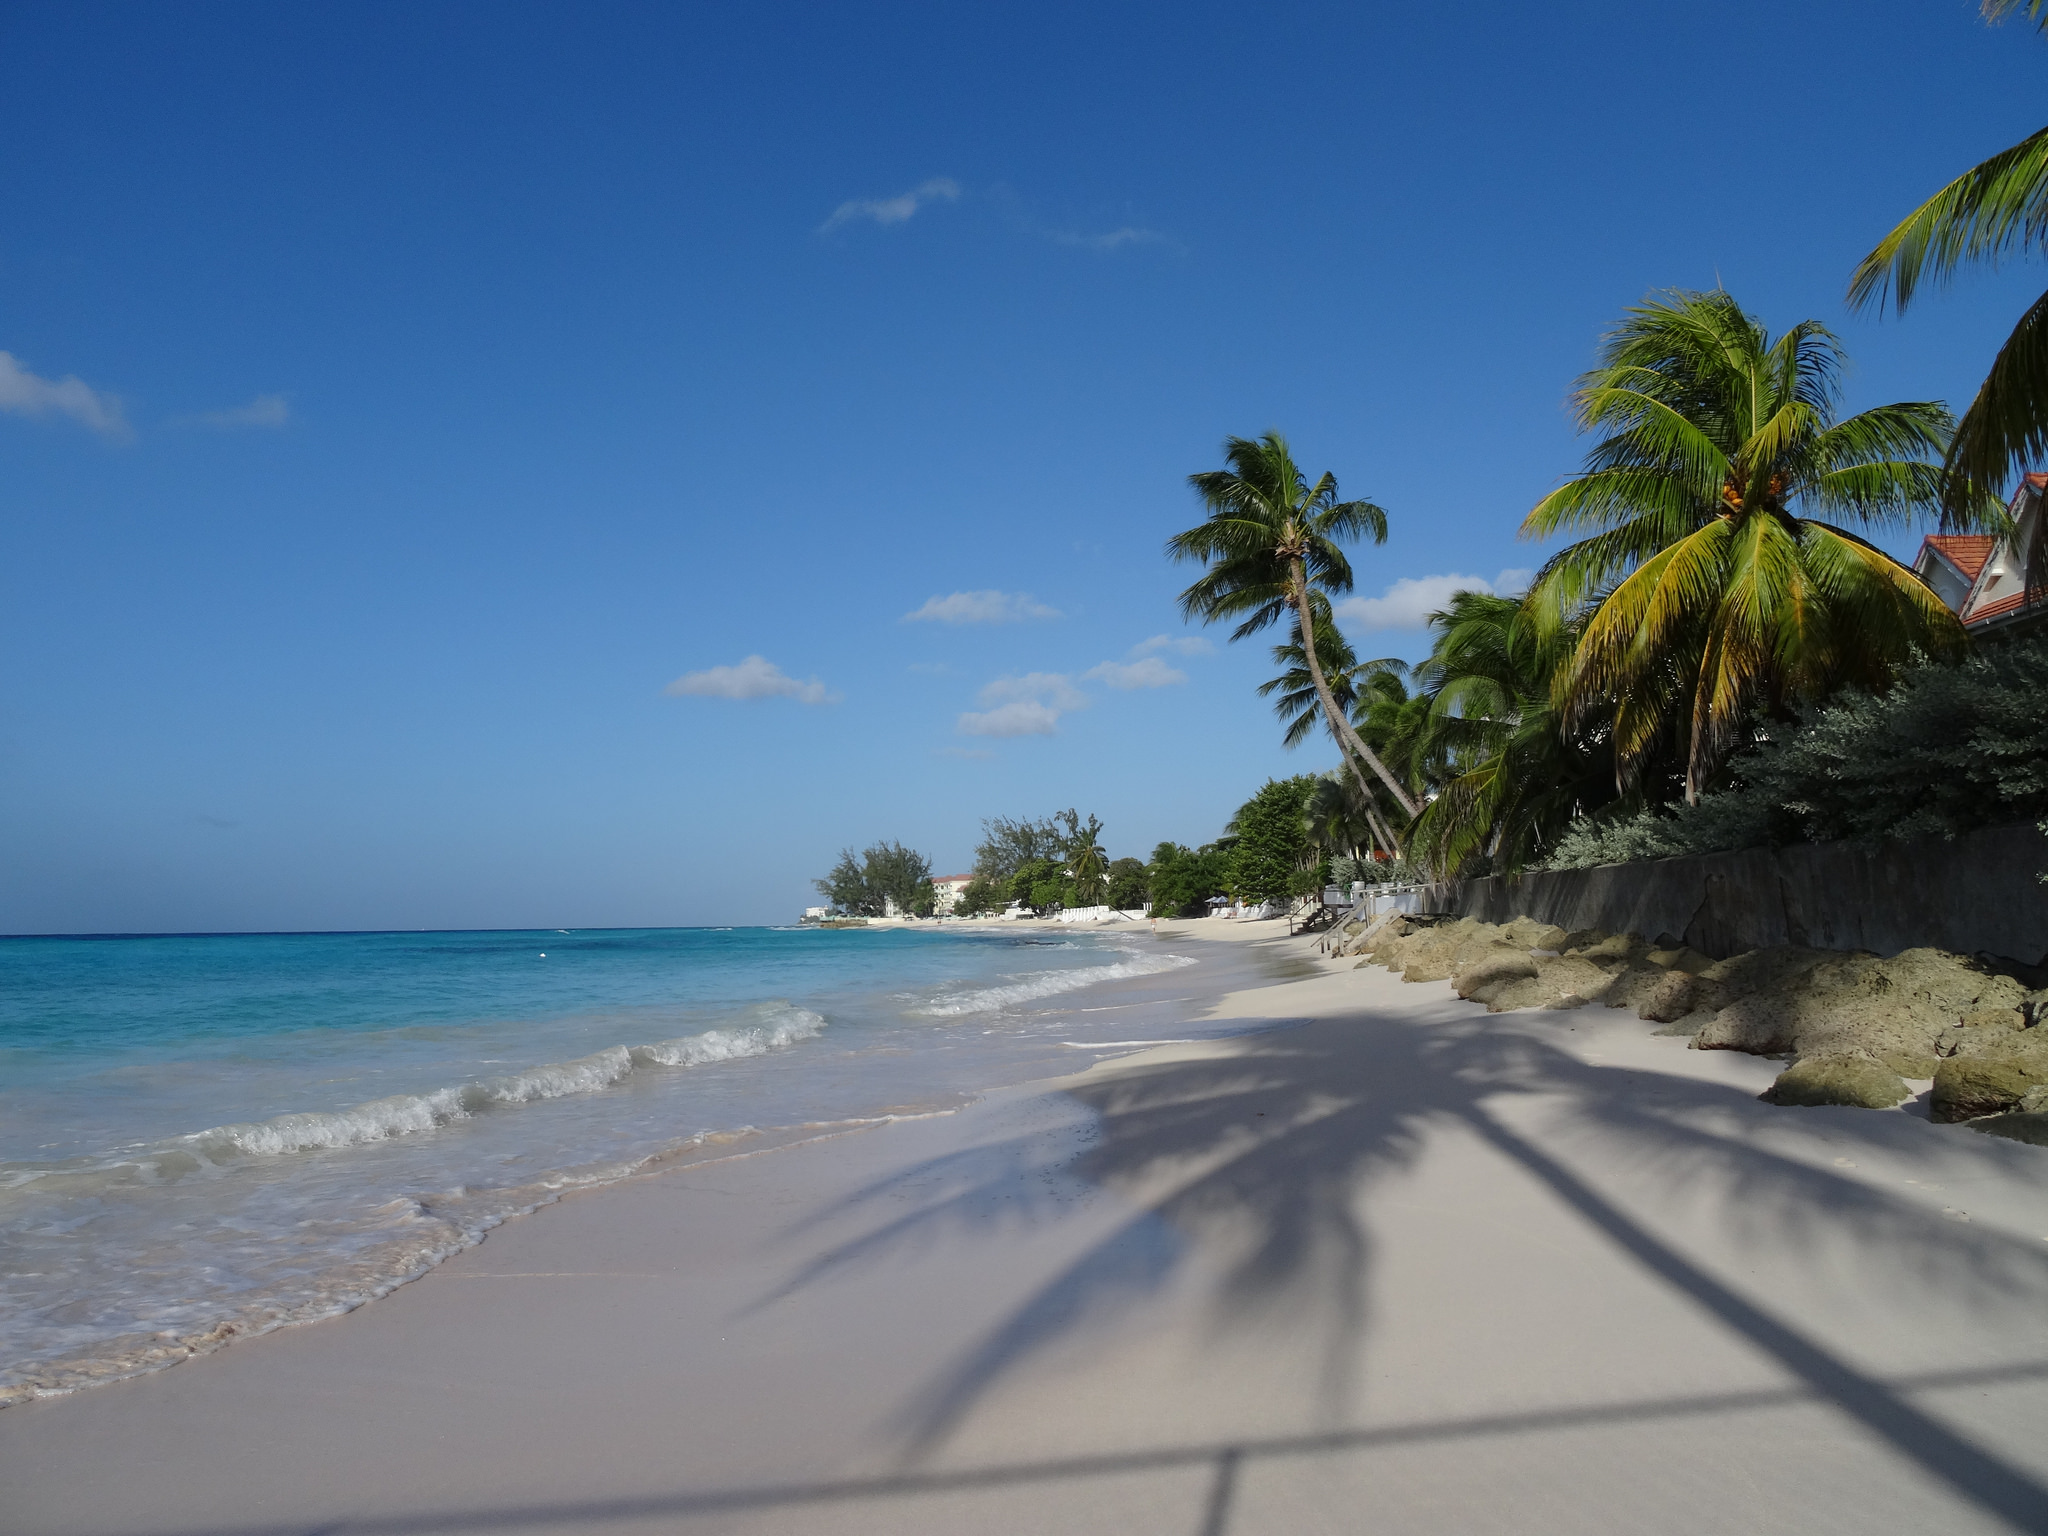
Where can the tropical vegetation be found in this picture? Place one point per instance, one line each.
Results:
(1719, 655)
(867, 884)
(1272, 546)
(1721, 587)
(1721, 578)
(1272, 858)
(1946, 750)
(1507, 775)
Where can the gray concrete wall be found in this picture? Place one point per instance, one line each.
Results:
(1980, 892)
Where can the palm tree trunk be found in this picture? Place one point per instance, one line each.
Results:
(1379, 827)
(1339, 726)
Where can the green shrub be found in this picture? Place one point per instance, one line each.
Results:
(1947, 750)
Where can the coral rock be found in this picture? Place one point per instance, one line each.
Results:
(1966, 1087)
(1852, 1080)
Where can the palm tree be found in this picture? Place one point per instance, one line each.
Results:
(1087, 860)
(1270, 544)
(1710, 597)
(1992, 210)
(1300, 706)
(1396, 723)
(1512, 777)
(1337, 820)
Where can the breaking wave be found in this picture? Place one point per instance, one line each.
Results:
(773, 1027)
(1039, 984)
(406, 1114)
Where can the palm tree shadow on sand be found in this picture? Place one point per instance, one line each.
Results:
(1281, 1144)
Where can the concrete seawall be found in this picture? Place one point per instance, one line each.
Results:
(1979, 892)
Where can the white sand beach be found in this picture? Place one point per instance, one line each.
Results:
(1400, 1266)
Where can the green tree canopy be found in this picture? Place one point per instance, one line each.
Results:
(1038, 883)
(1182, 879)
(1273, 859)
(862, 885)
(1710, 596)
(1129, 887)
(1009, 843)
(1511, 777)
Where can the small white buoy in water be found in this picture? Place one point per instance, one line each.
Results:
(543, 954)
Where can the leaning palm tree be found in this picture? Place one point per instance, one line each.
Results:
(1991, 211)
(1395, 723)
(1270, 544)
(1300, 706)
(1707, 595)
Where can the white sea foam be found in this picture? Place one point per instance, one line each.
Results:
(780, 1026)
(1039, 984)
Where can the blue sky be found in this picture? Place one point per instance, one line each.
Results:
(420, 421)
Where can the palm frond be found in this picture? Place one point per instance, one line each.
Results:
(2006, 426)
(1996, 11)
(1992, 210)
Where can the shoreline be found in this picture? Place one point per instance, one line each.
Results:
(1399, 1254)
(444, 1216)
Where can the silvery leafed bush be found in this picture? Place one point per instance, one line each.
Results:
(1947, 750)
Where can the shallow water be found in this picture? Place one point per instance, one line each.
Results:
(204, 1137)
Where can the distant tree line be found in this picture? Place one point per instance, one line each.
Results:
(1272, 850)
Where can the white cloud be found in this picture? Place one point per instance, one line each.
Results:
(1409, 602)
(1146, 672)
(892, 210)
(1180, 645)
(754, 678)
(1024, 717)
(989, 607)
(263, 411)
(25, 394)
(1030, 705)
(1054, 688)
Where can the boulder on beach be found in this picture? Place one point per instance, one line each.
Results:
(1900, 1010)
(1866, 1023)
(1492, 971)
(1857, 1081)
(1966, 1087)
(2019, 1126)
(1526, 933)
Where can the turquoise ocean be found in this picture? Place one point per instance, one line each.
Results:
(206, 1137)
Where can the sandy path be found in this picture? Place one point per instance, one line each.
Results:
(1406, 1267)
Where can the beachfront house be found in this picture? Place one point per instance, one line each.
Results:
(948, 889)
(1983, 578)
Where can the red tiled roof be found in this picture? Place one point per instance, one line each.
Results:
(2037, 480)
(1967, 552)
(1997, 610)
